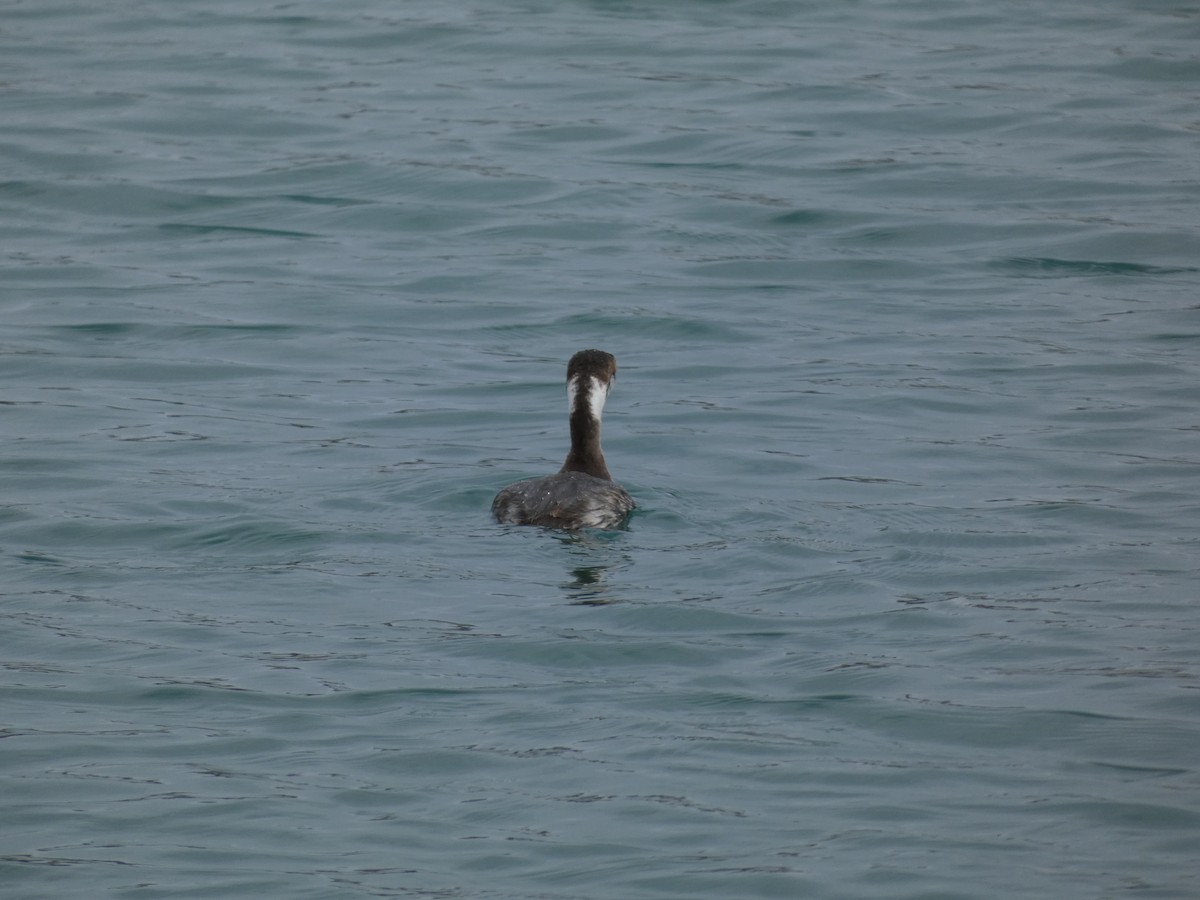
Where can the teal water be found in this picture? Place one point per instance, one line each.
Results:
(905, 300)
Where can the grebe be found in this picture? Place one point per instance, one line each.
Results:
(582, 493)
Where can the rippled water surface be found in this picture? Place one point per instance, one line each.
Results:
(905, 300)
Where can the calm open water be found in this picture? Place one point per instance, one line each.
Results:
(905, 297)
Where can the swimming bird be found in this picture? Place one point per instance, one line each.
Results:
(582, 494)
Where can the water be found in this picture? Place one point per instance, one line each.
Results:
(904, 297)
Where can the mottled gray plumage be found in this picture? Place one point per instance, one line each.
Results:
(563, 500)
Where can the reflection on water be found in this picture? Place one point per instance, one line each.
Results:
(588, 587)
(597, 555)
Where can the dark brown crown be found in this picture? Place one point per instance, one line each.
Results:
(595, 363)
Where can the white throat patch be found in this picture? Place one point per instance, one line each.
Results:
(596, 394)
